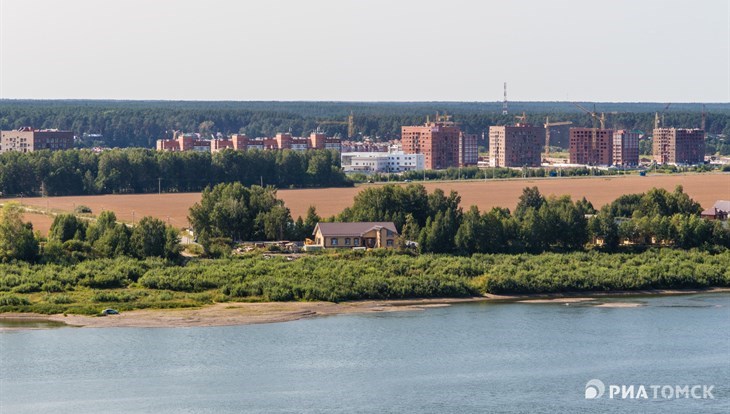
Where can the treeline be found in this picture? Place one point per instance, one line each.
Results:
(538, 223)
(126, 283)
(72, 239)
(84, 172)
(140, 123)
(476, 173)
(231, 213)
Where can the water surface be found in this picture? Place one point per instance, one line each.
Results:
(467, 358)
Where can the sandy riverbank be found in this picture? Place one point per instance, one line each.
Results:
(245, 313)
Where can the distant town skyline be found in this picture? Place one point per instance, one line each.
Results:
(378, 50)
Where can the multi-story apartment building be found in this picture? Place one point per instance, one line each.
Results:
(516, 145)
(28, 139)
(442, 144)
(468, 149)
(240, 142)
(591, 146)
(625, 148)
(678, 146)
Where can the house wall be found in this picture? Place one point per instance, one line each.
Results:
(383, 238)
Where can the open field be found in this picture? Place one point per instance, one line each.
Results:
(705, 188)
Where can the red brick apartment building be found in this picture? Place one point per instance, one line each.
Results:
(442, 143)
(240, 142)
(583, 151)
(625, 148)
(678, 146)
(516, 145)
(29, 139)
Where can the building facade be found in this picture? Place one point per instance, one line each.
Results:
(468, 149)
(625, 148)
(516, 146)
(357, 234)
(583, 149)
(241, 142)
(442, 144)
(29, 139)
(372, 162)
(678, 146)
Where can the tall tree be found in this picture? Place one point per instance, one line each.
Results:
(16, 237)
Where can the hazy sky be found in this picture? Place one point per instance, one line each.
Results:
(372, 50)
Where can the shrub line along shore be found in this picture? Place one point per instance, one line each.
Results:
(247, 313)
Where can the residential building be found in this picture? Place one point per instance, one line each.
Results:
(29, 139)
(591, 146)
(442, 144)
(468, 149)
(358, 234)
(240, 142)
(516, 145)
(678, 146)
(184, 142)
(318, 140)
(626, 148)
(719, 211)
(372, 162)
(367, 145)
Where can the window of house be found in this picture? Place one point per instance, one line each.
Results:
(333, 241)
(389, 243)
(390, 233)
(347, 241)
(357, 241)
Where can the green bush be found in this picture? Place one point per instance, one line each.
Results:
(10, 300)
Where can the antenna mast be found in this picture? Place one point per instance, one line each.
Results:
(504, 103)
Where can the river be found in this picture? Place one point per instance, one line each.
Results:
(465, 358)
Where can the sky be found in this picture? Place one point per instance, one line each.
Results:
(366, 50)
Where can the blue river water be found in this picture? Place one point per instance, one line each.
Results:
(466, 358)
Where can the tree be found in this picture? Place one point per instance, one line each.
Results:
(239, 213)
(151, 237)
(470, 238)
(530, 199)
(603, 226)
(67, 227)
(17, 241)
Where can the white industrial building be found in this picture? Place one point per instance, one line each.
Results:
(372, 162)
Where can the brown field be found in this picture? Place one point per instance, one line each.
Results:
(704, 188)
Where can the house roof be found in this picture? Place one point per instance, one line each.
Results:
(720, 205)
(353, 229)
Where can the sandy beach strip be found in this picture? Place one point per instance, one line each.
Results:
(246, 313)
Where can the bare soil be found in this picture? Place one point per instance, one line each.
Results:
(704, 188)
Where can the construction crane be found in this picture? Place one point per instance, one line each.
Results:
(657, 116)
(350, 124)
(522, 118)
(547, 132)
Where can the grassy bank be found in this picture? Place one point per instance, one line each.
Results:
(127, 284)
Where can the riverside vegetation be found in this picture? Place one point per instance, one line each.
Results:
(654, 240)
(126, 283)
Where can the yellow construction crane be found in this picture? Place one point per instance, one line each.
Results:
(657, 115)
(350, 124)
(522, 118)
(547, 132)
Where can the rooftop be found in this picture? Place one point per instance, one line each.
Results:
(349, 229)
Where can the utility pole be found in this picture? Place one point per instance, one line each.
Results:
(159, 185)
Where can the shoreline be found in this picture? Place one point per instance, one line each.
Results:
(248, 313)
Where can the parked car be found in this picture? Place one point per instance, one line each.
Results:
(110, 312)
